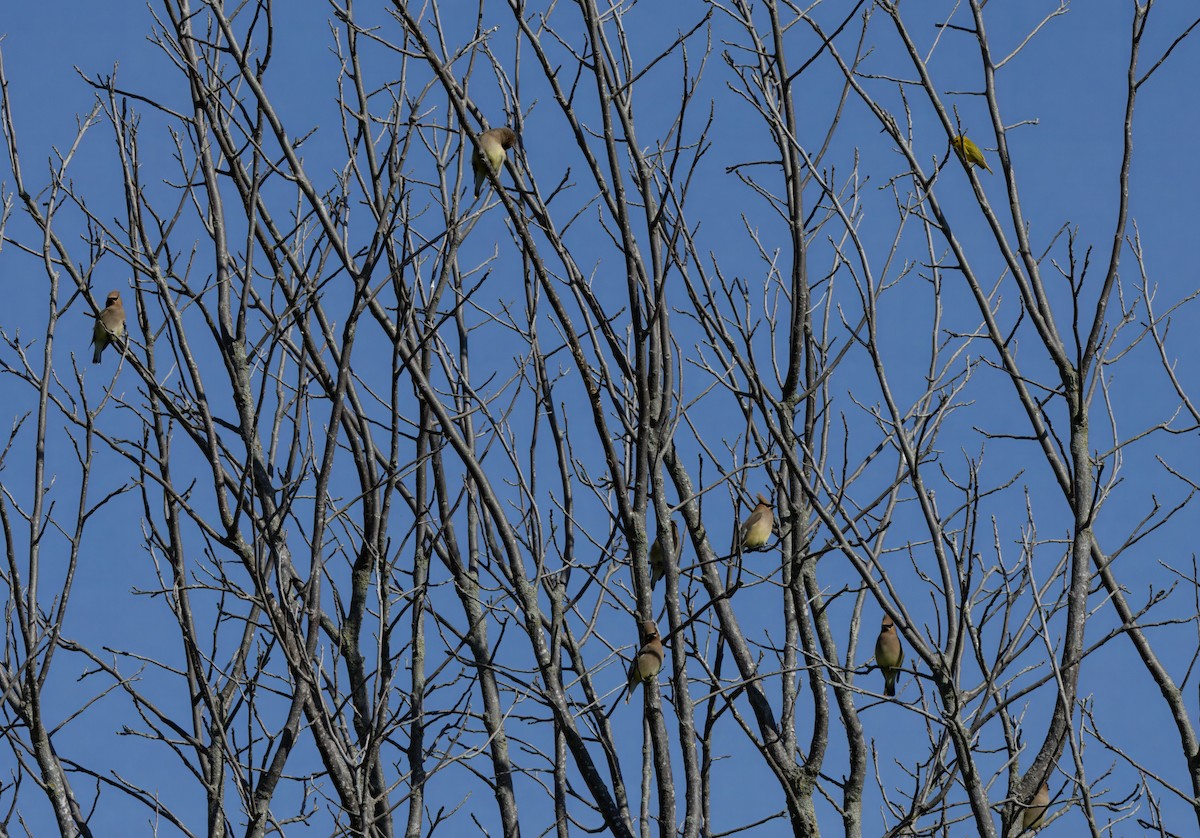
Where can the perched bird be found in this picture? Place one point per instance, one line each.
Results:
(969, 152)
(649, 660)
(1036, 810)
(494, 144)
(889, 654)
(110, 325)
(660, 558)
(756, 530)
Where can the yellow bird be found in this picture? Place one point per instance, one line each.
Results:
(649, 660)
(494, 143)
(968, 152)
(889, 654)
(756, 530)
(660, 558)
(110, 325)
(1036, 810)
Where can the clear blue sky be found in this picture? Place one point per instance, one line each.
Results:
(1068, 90)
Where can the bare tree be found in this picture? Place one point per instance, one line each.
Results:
(398, 454)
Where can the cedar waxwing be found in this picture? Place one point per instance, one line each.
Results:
(1036, 810)
(968, 152)
(889, 654)
(756, 530)
(660, 558)
(109, 325)
(493, 143)
(649, 660)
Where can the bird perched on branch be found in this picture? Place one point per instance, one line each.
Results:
(1036, 810)
(649, 660)
(660, 558)
(494, 143)
(889, 654)
(756, 530)
(968, 152)
(110, 325)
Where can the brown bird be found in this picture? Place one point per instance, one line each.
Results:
(1036, 810)
(494, 144)
(889, 654)
(756, 530)
(649, 660)
(660, 558)
(110, 325)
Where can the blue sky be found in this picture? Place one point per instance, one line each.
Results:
(1067, 92)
